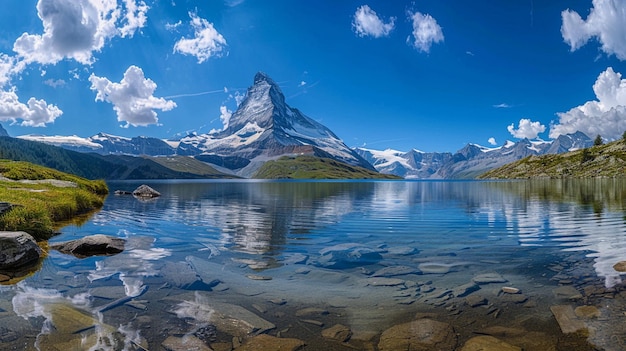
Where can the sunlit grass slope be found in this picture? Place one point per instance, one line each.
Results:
(41, 206)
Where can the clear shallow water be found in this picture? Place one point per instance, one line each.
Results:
(368, 255)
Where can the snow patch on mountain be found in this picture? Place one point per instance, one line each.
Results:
(63, 141)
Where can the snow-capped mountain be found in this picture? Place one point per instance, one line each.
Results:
(264, 127)
(414, 164)
(107, 144)
(469, 161)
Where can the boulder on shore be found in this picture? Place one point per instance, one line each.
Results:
(93, 245)
(17, 249)
(145, 191)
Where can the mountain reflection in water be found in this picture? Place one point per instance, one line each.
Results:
(373, 253)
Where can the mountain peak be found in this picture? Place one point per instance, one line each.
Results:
(263, 77)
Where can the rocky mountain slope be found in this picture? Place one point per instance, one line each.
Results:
(598, 161)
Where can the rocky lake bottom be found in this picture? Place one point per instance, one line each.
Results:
(333, 266)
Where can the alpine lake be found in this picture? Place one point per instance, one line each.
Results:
(336, 265)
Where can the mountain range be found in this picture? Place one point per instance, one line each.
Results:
(265, 128)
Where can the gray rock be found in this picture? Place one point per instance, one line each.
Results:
(395, 270)
(419, 335)
(145, 191)
(384, 281)
(17, 249)
(181, 275)
(487, 278)
(93, 245)
(567, 292)
(465, 289)
(348, 255)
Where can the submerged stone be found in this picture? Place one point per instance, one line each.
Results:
(587, 312)
(266, 342)
(395, 270)
(567, 292)
(620, 266)
(419, 335)
(566, 317)
(348, 255)
(338, 332)
(186, 343)
(488, 278)
(488, 343)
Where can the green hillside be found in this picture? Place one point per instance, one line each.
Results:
(607, 160)
(310, 167)
(110, 167)
(42, 197)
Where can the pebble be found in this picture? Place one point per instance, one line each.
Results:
(510, 290)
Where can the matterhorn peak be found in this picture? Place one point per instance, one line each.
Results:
(263, 77)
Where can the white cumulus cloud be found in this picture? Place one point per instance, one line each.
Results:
(206, 42)
(9, 66)
(366, 22)
(605, 116)
(606, 22)
(132, 97)
(35, 113)
(426, 31)
(526, 129)
(492, 141)
(74, 29)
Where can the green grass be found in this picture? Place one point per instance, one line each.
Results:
(310, 167)
(41, 207)
(607, 160)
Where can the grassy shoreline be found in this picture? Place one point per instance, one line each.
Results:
(43, 198)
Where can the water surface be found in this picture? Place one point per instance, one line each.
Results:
(303, 256)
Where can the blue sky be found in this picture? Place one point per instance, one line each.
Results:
(431, 75)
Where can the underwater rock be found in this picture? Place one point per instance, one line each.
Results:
(587, 312)
(436, 267)
(337, 332)
(186, 343)
(465, 289)
(620, 266)
(92, 245)
(567, 292)
(488, 343)
(145, 191)
(231, 319)
(566, 317)
(419, 335)
(488, 278)
(17, 249)
(393, 271)
(181, 275)
(384, 281)
(348, 255)
(475, 300)
(510, 290)
(266, 342)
